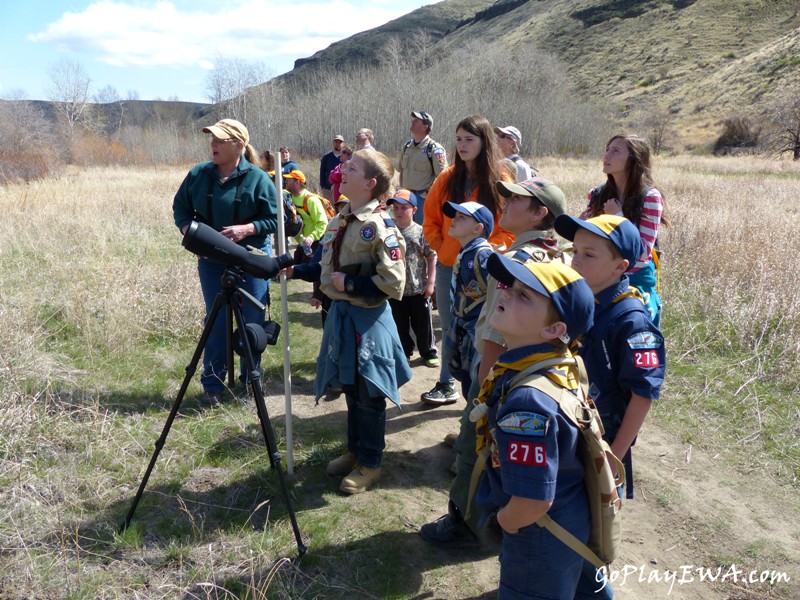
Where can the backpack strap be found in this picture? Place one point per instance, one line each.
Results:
(429, 152)
(480, 464)
(581, 412)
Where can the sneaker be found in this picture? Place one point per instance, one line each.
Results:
(450, 439)
(342, 465)
(432, 362)
(360, 479)
(442, 393)
(449, 531)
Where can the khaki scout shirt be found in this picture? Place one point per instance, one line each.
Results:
(417, 170)
(372, 246)
(483, 330)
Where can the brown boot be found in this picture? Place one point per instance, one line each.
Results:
(360, 479)
(342, 465)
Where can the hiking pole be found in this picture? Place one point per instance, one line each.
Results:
(287, 367)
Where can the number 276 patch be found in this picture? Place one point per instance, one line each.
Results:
(645, 359)
(527, 453)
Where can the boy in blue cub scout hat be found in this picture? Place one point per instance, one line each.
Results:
(471, 224)
(624, 351)
(532, 464)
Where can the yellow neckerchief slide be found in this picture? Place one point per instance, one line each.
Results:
(563, 375)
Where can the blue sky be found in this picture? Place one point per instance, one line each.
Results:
(164, 49)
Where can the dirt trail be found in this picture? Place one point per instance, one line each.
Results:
(691, 511)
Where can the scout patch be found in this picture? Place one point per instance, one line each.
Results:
(393, 245)
(645, 340)
(645, 346)
(439, 154)
(524, 423)
(328, 237)
(473, 291)
(368, 232)
(527, 453)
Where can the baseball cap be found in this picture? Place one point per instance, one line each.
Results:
(295, 174)
(402, 196)
(227, 129)
(563, 285)
(618, 230)
(342, 200)
(512, 131)
(424, 117)
(473, 209)
(547, 192)
(338, 137)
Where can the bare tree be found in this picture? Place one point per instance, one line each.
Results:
(787, 121)
(229, 81)
(69, 91)
(27, 147)
(654, 121)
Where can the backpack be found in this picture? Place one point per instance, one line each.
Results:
(292, 221)
(601, 486)
(330, 211)
(428, 150)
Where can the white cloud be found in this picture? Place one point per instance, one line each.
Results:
(178, 34)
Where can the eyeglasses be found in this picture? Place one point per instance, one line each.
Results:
(503, 136)
(218, 141)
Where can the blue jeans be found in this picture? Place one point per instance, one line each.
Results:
(443, 277)
(366, 423)
(420, 213)
(215, 360)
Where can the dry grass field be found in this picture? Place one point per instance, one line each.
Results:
(100, 310)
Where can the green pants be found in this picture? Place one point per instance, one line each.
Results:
(466, 458)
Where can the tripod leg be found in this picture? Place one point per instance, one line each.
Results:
(266, 425)
(232, 370)
(190, 371)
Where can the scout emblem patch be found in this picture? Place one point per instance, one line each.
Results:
(368, 232)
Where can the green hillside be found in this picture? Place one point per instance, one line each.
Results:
(700, 61)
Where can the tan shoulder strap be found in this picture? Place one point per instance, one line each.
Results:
(577, 409)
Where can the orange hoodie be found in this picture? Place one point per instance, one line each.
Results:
(435, 224)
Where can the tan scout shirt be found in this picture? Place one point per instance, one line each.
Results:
(417, 171)
(483, 330)
(372, 246)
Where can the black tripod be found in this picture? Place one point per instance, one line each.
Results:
(232, 297)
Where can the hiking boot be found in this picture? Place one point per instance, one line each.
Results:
(449, 531)
(360, 479)
(342, 465)
(332, 394)
(432, 362)
(442, 393)
(212, 398)
(450, 439)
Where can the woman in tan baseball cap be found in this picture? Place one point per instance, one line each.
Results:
(234, 196)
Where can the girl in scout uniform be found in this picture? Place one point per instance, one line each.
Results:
(362, 265)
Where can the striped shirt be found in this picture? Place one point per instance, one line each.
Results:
(652, 207)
